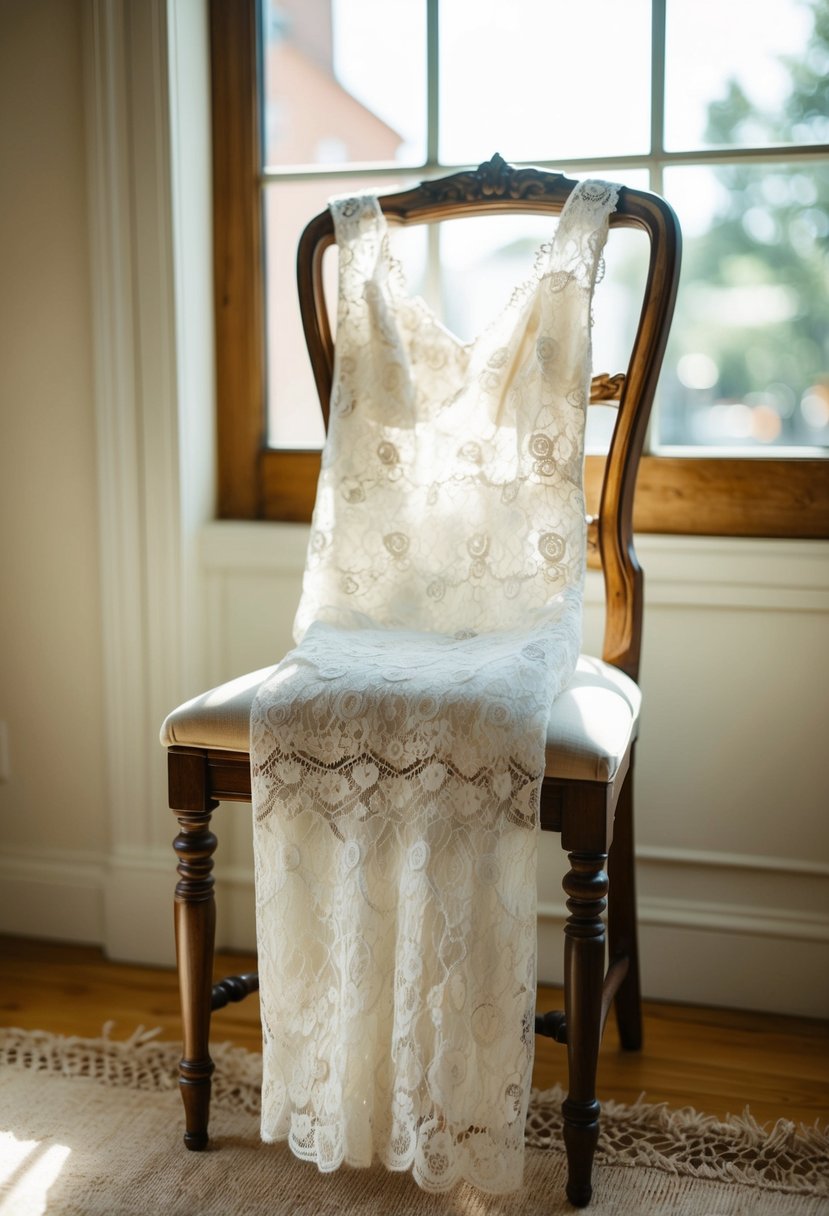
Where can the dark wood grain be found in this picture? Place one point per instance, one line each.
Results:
(237, 258)
(195, 929)
(585, 886)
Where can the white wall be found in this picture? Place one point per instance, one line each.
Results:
(50, 618)
(118, 593)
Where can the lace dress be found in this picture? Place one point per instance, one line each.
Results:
(398, 751)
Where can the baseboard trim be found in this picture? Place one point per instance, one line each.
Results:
(54, 896)
(716, 918)
(717, 859)
(124, 902)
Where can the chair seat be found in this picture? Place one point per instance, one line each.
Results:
(592, 723)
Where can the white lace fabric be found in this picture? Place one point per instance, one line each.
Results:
(398, 751)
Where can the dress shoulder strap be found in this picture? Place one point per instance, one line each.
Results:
(582, 231)
(356, 217)
(363, 242)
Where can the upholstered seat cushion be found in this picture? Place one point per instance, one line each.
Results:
(592, 722)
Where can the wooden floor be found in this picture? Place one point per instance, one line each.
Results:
(716, 1060)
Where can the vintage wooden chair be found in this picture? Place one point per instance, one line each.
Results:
(588, 787)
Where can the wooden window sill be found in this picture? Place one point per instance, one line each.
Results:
(690, 495)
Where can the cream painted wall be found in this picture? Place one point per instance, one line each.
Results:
(50, 656)
(106, 454)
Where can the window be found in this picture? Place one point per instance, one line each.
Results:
(724, 115)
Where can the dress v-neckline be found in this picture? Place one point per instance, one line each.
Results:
(526, 290)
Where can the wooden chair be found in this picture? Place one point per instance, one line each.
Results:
(588, 787)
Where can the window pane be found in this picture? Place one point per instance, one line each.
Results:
(748, 360)
(741, 74)
(294, 419)
(338, 89)
(530, 79)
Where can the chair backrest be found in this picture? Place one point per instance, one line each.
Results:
(496, 187)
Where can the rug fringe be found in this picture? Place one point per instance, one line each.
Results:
(141, 1061)
(784, 1157)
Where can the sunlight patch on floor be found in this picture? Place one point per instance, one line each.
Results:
(27, 1170)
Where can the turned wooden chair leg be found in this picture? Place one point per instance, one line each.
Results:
(585, 885)
(195, 919)
(621, 920)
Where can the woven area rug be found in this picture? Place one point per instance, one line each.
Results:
(93, 1127)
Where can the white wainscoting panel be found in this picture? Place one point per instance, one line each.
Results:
(732, 842)
(147, 89)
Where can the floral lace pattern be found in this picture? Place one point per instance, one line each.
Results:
(398, 751)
